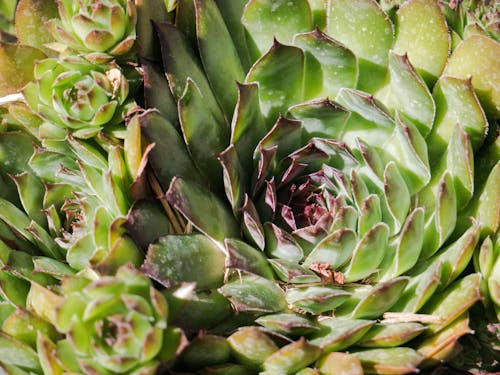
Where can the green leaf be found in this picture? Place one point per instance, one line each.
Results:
(148, 11)
(338, 334)
(15, 326)
(167, 141)
(247, 126)
(244, 257)
(31, 192)
(339, 363)
(203, 209)
(185, 258)
(321, 118)
(235, 180)
(329, 65)
(224, 67)
(16, 149)
(185, 65)
(292, 357)
(422, 33)
(391, 334)
(251, 346)
(288, 324)
(369, 120)
(389, 360)
(368, 33)
(279, 19)
(280, 74)
(379, 299)
(204, 136)
(408, 149)
(28, 229)
(292, 273)
(252, 293)
(456, 103)
(316, 299)
(16, 66)
(368, 253)
(396, 194)
(419, 289)
(407, 246)
(146, 222)
(486, 60)
(31, 16)
(232, 12)
(157, 92)
(18, 354)
(453, 301)
(437, 347)
(443, 216)
(52, 267)
(206, 351)
(409, 94)
(334, 250)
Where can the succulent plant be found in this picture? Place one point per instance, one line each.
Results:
(346, 155)
(72, 93)
(101, 29)
(314, 184)
(111, 325)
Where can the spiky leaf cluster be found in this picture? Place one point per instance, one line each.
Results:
(351, 159)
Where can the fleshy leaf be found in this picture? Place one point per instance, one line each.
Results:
(214, 219)
(292, 357)
(31, 16)
(16, 66)
(202, 132)
(320, 118)
(391, 334)
(251, 346)
(486, 54)
(288, 324)
(281, 19)
(409, 94)
(253, 293)
(422, 34)
(368, 33)
(453, 301)
(368, 253)
(456, 103)
(185, 258)
(389, 360)
(280, 74)
(338, 66)
(338, 334)
(167, 141)
(184, 66)
(224, 67)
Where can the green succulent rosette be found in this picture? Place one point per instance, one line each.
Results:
(111, 325)
(101, 29)
(72, 93)
(329, 194)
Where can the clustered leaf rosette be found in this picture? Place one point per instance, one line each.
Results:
(63, 198)
(101, 29)
(73, 93)
(331, 193)
(110, 325)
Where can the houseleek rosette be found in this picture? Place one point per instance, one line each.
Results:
(72, 93)
(99, 28)
(110, 325)
(337, 212)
